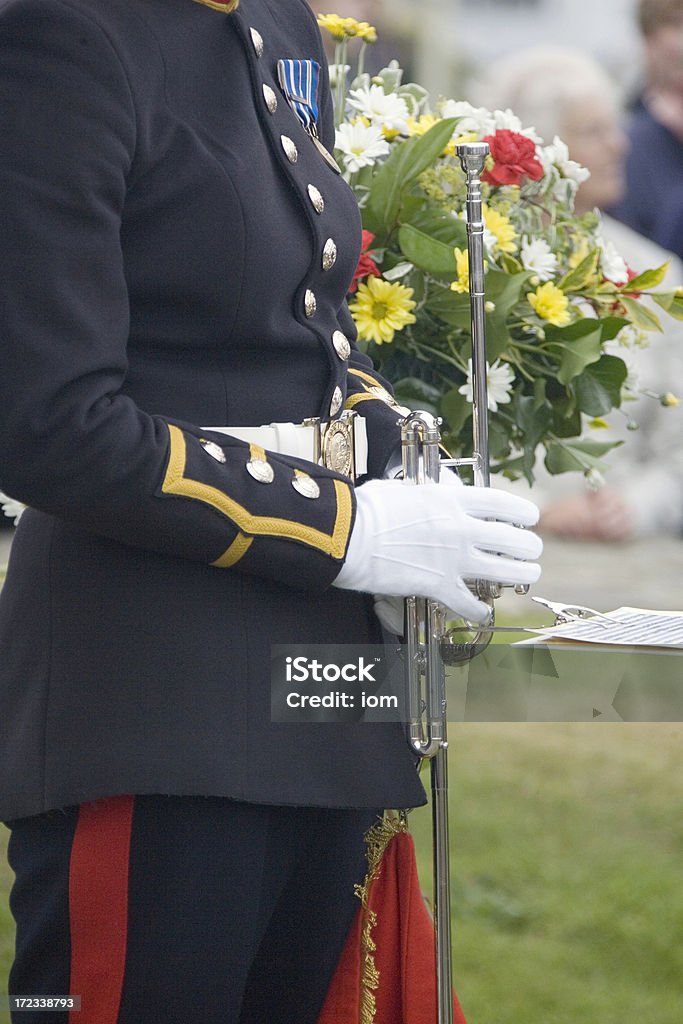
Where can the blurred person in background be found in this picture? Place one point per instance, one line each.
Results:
(565, 92)
(652, 202)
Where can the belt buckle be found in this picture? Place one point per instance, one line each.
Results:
(334, 447)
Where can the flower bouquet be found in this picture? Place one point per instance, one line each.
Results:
(562, 307)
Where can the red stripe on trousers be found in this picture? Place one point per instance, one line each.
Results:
(98, 908)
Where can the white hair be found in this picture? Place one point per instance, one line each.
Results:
(541, 84)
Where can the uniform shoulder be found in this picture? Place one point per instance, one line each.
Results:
(116, 20)
(297, 14)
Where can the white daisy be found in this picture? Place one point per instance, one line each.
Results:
(499, 380)
(381, 108)
(13, 509)
(557, 155)
(612, 263)
(472, 119)
(361, 145)
(537, 256)
(507, 119)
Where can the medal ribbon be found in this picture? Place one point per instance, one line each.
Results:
(299, 83)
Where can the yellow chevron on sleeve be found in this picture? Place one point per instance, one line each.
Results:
(232, 555)
(175, 482)
(367, 378)
(361, 396)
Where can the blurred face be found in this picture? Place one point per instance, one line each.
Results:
(664, 51)
(595, 139)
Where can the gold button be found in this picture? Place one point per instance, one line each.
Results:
(316, 199)
(336, 403)
(291, 152)
(310, 303)
(341, 345)
(329, 254)
(257, 40)
(306, 486)
(261, 471)
(270, 98)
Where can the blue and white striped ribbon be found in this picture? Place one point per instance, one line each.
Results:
(299, 82)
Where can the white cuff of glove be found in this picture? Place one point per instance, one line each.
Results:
(429, 539)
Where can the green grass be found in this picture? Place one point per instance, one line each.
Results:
(567, 844)
(567, 859)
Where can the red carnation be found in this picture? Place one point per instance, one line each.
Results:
(366, 265)
(514, 156)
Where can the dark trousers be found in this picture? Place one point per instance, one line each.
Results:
(183, 909)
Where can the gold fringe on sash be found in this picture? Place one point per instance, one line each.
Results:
(377, 839)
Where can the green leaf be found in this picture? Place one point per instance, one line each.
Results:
(505, 289)
(428, 253)
(398, 271)
(455, 408)
(533, 421)
(417, 394)
(671, 302)
(640, 315)
(598, 388)
(451, 307)
(512, 469)
(648, 279)
(451, 230)
(497, 335)
(499, 439)
(580, 344)
(581, 275)
(427, 148)
(567, 457)
(611, 325)
(566, 419)
(405, 163)
(539, 392)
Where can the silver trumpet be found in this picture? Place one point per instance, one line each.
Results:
(430, 645)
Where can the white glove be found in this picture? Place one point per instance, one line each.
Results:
(428, 539)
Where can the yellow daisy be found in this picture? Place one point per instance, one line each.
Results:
(381, 308)
(462, 269)
(551, 304)
(420, 125)
(335, 25)
(502, 228)
(366, 32)
(452, 143)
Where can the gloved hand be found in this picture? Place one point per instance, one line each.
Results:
(428, 539)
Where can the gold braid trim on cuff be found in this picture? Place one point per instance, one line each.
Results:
(377, 839)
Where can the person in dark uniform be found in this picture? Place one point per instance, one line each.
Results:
(176, 251)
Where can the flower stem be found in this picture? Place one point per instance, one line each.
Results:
(340, 52)
(361, 58)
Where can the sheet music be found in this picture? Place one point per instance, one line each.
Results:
(634, 627)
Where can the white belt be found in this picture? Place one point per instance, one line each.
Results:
(341, 444)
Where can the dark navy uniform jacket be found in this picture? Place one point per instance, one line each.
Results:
(159, 244)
